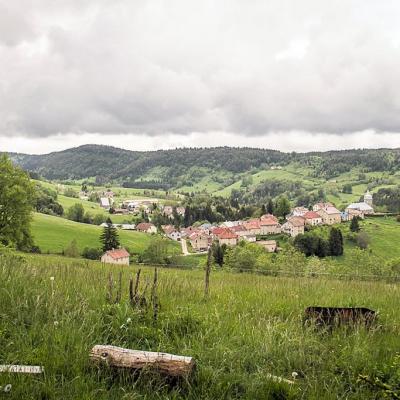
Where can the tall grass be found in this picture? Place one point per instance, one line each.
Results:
(249, 327)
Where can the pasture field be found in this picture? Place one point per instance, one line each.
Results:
(249, 326)
(53, 234)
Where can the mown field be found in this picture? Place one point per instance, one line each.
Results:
(249, 327)
(53, 234)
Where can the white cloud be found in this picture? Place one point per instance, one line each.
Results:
(158, 72)
(283, 141)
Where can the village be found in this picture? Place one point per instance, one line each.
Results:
(260, 230)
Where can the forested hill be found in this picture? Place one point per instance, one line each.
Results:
(93, 160)
(183, 167)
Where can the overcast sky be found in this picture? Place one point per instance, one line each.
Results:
(144, 74)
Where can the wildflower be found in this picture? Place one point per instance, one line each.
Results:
(129, 320)
(55, 323)
(7, 388)
(52, 278)
(294, 374)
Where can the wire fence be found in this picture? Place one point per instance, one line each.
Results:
(285, 273)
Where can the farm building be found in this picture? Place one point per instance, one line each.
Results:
(269, 245)
(146, 227)
(116, 256)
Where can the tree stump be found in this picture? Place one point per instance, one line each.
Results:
(119, 357)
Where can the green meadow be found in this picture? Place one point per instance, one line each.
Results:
(53, 234)
(54, 309)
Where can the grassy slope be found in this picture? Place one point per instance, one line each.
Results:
(385, 236)
(250, 326)
(53, 234)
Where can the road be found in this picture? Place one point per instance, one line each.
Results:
(184, 247)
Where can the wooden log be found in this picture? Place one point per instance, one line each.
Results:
(165, 363)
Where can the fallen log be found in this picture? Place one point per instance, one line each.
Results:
(119, 357)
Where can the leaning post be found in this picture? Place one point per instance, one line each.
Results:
(207, 277)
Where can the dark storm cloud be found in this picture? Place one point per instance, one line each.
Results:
(248, 68)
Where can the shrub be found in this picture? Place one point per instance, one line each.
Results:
(363, 240)
(72, 250)
(76, 212)
(69, 192)
(92, 253)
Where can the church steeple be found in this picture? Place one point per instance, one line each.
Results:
(368, 198)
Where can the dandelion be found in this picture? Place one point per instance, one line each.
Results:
(294, 374)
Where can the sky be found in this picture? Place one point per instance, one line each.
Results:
(150, 74)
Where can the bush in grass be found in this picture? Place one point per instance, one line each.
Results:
(98, 219)
(156, 252)
(72, 250)
(76, 213)
(92, 253)
(363, 240)
(354, 224)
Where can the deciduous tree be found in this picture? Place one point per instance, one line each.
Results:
(16, 200)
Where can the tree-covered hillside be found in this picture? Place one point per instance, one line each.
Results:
(218, 170)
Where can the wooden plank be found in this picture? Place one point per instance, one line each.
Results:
(22, 369)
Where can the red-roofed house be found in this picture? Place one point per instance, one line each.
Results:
(330, 215)
(199, 241)
(312, 218)
(253, 225)
(294, 226)
(146, 227)
(171, 232)
(116, 256)
(269, 226)
(227, 237)
(269, 216)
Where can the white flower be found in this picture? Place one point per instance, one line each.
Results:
(55, 323)
(294, 374)
(7, 388)
(129, 320)
(52, 278)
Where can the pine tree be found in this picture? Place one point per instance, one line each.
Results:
(270, 206)
(109, 237)
(218, 253)
(263, 209)
(335, 242)
(354, 225)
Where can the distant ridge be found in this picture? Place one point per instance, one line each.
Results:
(181, 167)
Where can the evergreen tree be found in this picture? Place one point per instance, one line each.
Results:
(354, 225)
(270, 206)
(282, 207)
(336, 242)
(218, 253)
(322, 249)
(109, 237)
(263, 209)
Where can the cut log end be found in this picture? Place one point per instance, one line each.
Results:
(168, 364)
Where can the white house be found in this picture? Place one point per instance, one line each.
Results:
(105, 202)
(362, 207)
(116, 256)
(294, 226)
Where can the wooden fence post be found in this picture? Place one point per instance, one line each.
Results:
(154, 296)
(207, 277)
